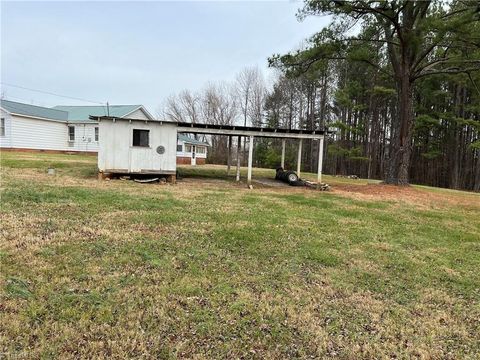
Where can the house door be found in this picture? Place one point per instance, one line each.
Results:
(194, 160)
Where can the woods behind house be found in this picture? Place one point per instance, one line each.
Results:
(398, 82)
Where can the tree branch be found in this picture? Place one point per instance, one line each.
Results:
(423, 55)
(448, 71)
(384, 41)
(444, 60)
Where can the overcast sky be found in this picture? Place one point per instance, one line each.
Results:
(138, 52)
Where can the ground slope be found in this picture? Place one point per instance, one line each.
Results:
(209, 269)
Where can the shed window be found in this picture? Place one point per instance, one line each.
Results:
(2, 127)
(71, 133)
(188, 148)
(140, 137)
(96, 133)
(180, 148)
(201, 149)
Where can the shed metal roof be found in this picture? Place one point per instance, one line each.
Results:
(235, 130)
(232, 130)
(33, 110)
(115, 118)
(208, 127)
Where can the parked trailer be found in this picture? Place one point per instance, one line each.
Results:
(291, 178)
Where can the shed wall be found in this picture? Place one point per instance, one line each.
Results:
(117, 154)
(137, 114)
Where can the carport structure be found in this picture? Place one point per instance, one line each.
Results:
(251, 133)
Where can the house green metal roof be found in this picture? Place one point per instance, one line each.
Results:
(33, 110)
(82, 113)
(67, 113)
(190, 140)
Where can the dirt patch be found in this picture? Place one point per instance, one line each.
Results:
(408, 194)
(269, 183)
(388, 192)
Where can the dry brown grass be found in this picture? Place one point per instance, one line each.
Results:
(210, 269)
(418, 196)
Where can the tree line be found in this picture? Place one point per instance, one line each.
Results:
(396, 82)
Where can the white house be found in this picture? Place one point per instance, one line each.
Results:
(191, 151)
(61, 128)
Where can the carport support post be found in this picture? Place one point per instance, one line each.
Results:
(299, 158)
(250, 160)
(239, 145)
(320, 161)
(283, 154)
(229, 155)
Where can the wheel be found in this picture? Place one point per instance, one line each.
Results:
(292, 177)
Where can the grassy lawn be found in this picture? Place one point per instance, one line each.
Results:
(209, 269)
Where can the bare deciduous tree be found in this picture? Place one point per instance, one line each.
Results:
(246, 81)
(183, 107)
(257, 101)
(218, 106)
(248, 85)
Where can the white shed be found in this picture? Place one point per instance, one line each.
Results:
(129, 146)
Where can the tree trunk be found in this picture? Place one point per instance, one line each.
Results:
(456, 143)
(476, 184)
(401, 141)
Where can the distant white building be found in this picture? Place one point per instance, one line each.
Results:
(191, 151)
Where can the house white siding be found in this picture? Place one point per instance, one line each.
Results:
(30, 133)
(6, 140)
(185, 153)
(33, 133)
(84, 138)
(117, 153)
(201, 155)
(181, 153)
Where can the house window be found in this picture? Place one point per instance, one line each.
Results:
(188, 148)
(2, 127)
(140, 137)
(71, 133)
(180, 148)
(201, 149)
(96, 134)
